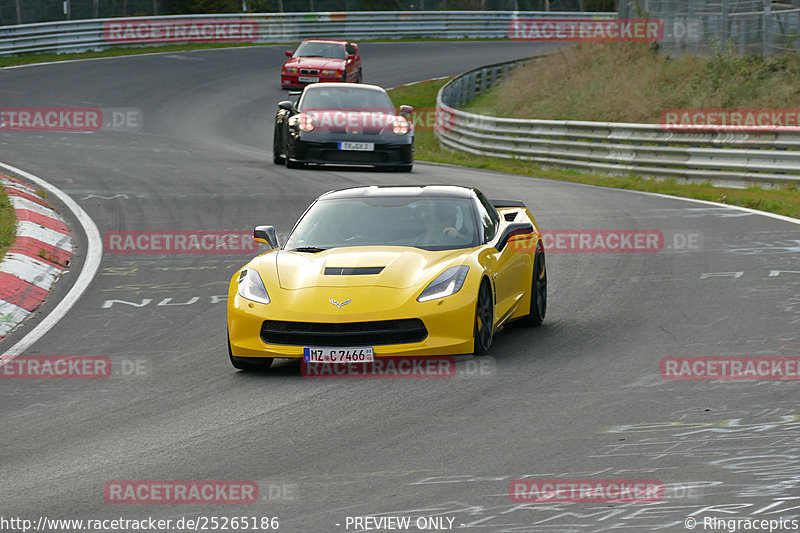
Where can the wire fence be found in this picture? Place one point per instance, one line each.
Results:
(745, 27)
(14, 12)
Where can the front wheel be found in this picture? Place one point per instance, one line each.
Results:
(360, 77)
(277, 153)
(484, 320)
(288, 159)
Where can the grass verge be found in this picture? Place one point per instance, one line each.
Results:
(631, 82)
(423, 97)
(8, 223)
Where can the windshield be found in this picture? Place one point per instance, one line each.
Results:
(430, 224)
(323, 96)
(334, 51)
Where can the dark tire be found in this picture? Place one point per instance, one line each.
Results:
(484, 320)
(249, 364)
(288, 160)
(360, 77)
(277, 153)
(402, 168)
(538, 290)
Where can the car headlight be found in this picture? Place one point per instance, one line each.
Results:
(291, 70)
(302, 121)
(447, 283)
(400, 126)
(251, 287)
(330, 72)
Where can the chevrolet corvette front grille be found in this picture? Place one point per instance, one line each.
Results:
(343, 334)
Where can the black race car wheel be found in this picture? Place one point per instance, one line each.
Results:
(538, 290)
(288, 158)
(484, 320)
(277, 153)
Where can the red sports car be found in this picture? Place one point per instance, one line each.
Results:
(318, 60)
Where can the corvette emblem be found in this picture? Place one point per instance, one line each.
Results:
(339, 305)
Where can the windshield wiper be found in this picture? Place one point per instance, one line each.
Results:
(310, 249)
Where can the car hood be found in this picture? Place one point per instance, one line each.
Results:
(315, 62)
(395, 267)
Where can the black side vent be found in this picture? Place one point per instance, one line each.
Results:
(510, 216)
(352, 271)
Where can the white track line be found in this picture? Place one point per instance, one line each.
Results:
(776, 216)
(94, 254)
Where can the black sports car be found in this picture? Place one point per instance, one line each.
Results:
(343, 124)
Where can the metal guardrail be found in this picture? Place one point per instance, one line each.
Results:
(707, 26)
(83, 35)
(743, 158)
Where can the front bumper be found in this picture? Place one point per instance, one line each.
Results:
(327, 153)
(292, 81)
(449, 321)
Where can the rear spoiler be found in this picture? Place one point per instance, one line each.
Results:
(507, 203)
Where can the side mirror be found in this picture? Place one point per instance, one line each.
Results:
(406, 110)
(351, 57)
(289, 53)
(266, 235)
(286, 104)
(514, 229)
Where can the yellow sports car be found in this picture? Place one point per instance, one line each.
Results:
(388, 271)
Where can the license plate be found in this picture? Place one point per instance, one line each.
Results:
(353, 354)
(308, 79)
(361, 147)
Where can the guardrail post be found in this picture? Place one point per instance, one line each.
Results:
(723, 25)
(767, 27)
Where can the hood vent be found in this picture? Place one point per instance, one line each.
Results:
(352, 271)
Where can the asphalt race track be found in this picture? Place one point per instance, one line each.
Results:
(579, 398)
